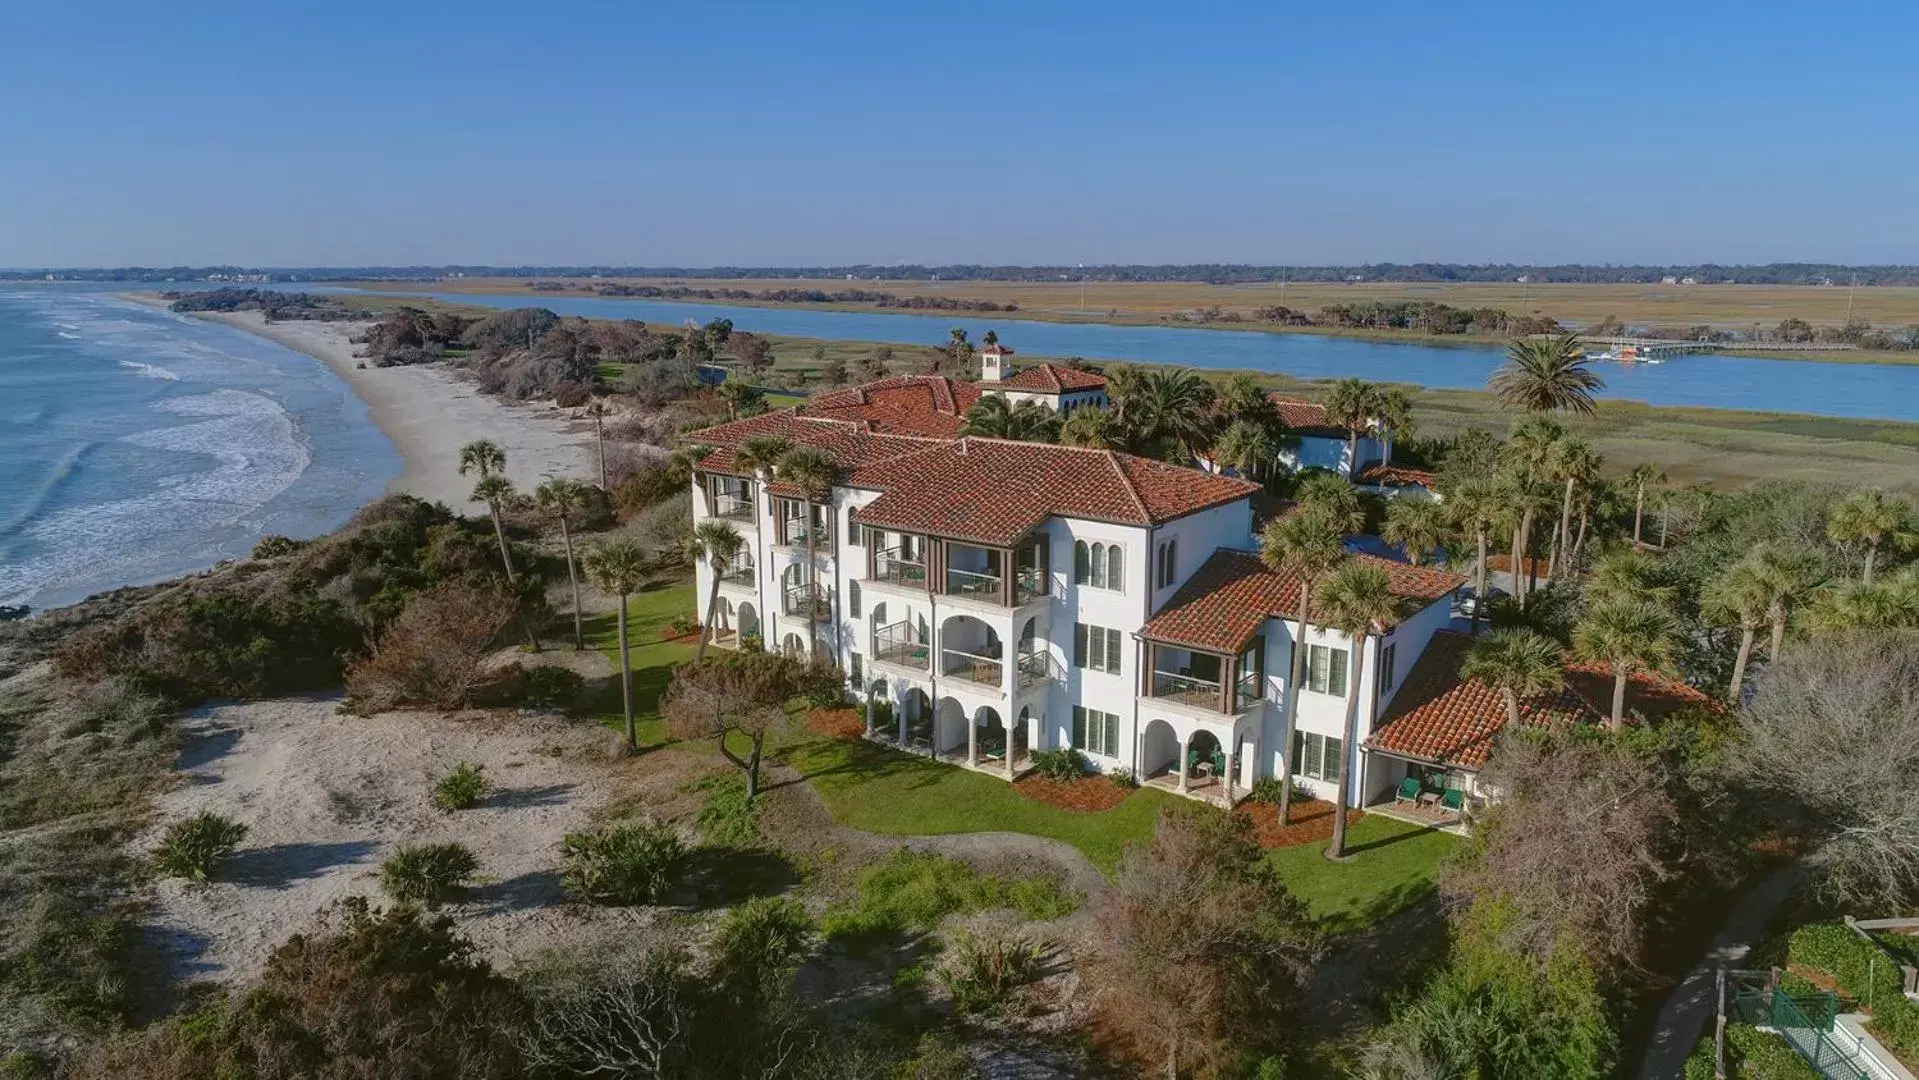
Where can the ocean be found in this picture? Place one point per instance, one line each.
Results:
(138, 445)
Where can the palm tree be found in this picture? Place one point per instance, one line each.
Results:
(1884, 605)
(742, 398)
(719, 543)
(991, 416)
(1123, 385)
(1625, 574)
(1548, 374)
(1093, 427)
(1242, 398)
(1359, 603)
(1518, 663)
(1642, 477)
(496, 491)
(1333, 496)
(484, 456)
(1739, 597)
(1575, 464)
(1307, 544)
(597, 411)
(813, 471)
(1476, 507)
(1246, 446)
(619, 567)
(1171, 410)
(1528, 455)
(562, 499)
(758, 454)
(1394, 413)
(1873, 518)
(1626, 635)
(1417, 526)
(1788, 572)
(1352, 404)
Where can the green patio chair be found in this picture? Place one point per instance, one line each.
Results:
(1192, 761)
(1454, 800)
(1409, 790)
(1219, 762)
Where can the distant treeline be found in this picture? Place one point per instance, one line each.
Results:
(1213, 273)
(275, 305)
(1424, 316)
(785, 296)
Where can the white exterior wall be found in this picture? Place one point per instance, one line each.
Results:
(1124, 610)
(1318, 452)
(1066, 402)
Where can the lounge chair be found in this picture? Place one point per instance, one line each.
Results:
(1454, 799)
(1409, 791)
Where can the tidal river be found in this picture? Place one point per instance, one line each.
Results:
(1867, 391)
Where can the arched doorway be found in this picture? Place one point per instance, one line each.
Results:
(1158, 750)
(749, 625)
(949, 727)
(916, 720)
(1022, 735)
(1205, 757)
(989, 735)
(971, 650)
(793, 646)
(723, 623)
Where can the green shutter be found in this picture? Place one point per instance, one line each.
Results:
(1330, 767)
(1112, 651)
(1079, 728)
(1079, 645)
(1336, 675)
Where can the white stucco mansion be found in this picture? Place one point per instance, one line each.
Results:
(1007, 597)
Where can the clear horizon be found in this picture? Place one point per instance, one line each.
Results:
(763, 135)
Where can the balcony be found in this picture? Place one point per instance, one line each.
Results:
(795, 533)
(1029, 583)
(896, 644)
(1038, 667)
(744, 576)
(807, 601)
(984, 670)
(1202, 693)
(895, 567)
(973, 583)
(733, 507)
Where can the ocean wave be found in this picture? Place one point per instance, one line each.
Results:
(69, 337)
(36, 500)
(256, 453)
(150, 371)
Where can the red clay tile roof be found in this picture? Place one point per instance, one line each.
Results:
(1397, 476)
(1305, 417)
(1437, 716)
(852, 444)
(1226, 601)
(995, 491)
(1053, 379)
(998, 349)
(931, 405)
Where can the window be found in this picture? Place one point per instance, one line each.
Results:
(853, 670)
(855, 532)
(1168, 563)
(1316, 757)
(1096, 647)
(1096, 732)
(1099, 565)
(1388, 657)
(853, 599)
(1326, 669)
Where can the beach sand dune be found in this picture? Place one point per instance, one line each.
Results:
(430, 413)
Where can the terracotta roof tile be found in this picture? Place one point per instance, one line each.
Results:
(1305, 417)
(1437, 716)
(995, 491)
(852, 444)
(932, 405)
(1227, 600)
(1053, 379)
(1397, 476)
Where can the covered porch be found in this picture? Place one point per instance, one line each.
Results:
(1422, 793)
(1198, 761)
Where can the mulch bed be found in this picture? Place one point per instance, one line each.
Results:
(1312, 821)
(1088, 794)
(667, 633)
(837, 723)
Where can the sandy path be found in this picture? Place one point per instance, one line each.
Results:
(429, 413)
(326, 798)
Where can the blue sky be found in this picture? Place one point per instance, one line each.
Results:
(708, 133)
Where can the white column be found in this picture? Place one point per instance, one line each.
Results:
(1180, 762)
(899, 715)
(972, 739)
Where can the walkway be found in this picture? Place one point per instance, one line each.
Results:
(1689, 1010)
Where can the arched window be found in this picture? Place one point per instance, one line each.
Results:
(1115, 572)
(854, 533)
(1082, 563)
(853, 599)
(1099, 566)
(879, 614)
(794, 648)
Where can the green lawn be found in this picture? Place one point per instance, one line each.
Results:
(882, 790)
(1392, 869)
(653, 660)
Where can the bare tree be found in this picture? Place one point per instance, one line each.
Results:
(434, 653)
(1200, 944)
(632, 1026)
(738, 697)
(1573, 849)
(1833, 731)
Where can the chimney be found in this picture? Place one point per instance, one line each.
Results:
(995, 363)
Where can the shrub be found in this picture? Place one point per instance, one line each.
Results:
(682, 625)
(622, 865)
(1123, 777)
(193, 848)
(910, 891)
(1065, 763)
(551, 686)
(272, 547)
(434, 654)
(428, 874)
(983, 972)
(727, 817)
(466, 786)
(1867, 975)
(760, 941)
(571, 395)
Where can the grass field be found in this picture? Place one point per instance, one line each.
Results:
(1731, 307)
(1393, 868)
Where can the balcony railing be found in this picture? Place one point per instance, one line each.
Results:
(892, 565)
(1249, 691)
(1186, 689)
(740, 575)
(896, 644)
(807, 601)
(796, 531)
(1029, 584)
(972, 583)
(1038, 667)
(985, 670)
(734, 507)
